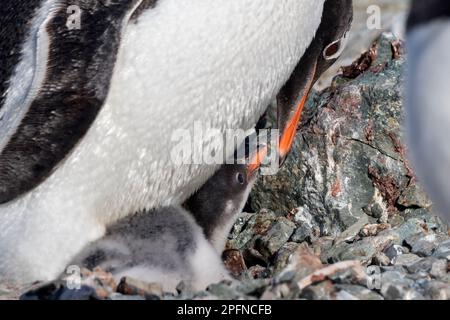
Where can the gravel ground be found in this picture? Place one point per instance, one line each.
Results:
(345, 218)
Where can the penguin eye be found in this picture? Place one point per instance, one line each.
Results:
(240, 178)
(334, 49)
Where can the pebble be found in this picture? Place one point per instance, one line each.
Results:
(421, 245)
(443, 250)
(437, 290)
(407, 260)
(439, 269)
(277, 235)
(394, 251)
(359, 292)
(394, 286)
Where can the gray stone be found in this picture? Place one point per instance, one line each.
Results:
(253, 287)
(255, 225)
(381, 259)
(302, 234)
(406, 230)
(223, 291)
(359, 292)
(322, 291)
(351, 233)
(346, 296)
(437, 290)
(283, 256)
(119, 296)
(424, 265)
(350, 129)
(277, 235)
(394, 251)
(414, 196)
(395, 286)
(407, 260)
(439, 269)
(443, 250)
(363, 251)
(423, 245)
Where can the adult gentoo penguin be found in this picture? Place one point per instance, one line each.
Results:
(428, 98)
(87, 114)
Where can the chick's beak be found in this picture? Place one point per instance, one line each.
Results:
(255, 160)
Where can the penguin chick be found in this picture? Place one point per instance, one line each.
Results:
(172, 244)
(217, 205)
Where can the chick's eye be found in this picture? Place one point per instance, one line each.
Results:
(240, 178)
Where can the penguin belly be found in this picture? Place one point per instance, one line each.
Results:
(216, 63)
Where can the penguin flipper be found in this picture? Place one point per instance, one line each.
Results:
(73, 67)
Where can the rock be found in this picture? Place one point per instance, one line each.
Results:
(58, 291)
(223, 291)
(254, 226)
(351, 233)
(372, 230)
(407, 260)
(277, 235)
(437, 290)
(254, 287)
(134, 287)
(394, 286)
(439, 269)
(284, 255)
(443, 251)
(302, 263)
(234, 262)
(414, 196)
(431, 222)
(410, 228)
(359, 292)
(377, 210)
(122, 297)
(363, 251)
(422, 266)
(303, 233)
(348, 156)
(322, 291)
(344, 295)
(394, 251)
(381, 259)
(257, 272)
(423, 245)
(185, 290)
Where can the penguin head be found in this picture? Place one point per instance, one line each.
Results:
(326, 47)
(218, 203)
(332, 35)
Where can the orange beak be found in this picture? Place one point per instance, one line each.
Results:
(290, 112)
(256, 161)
